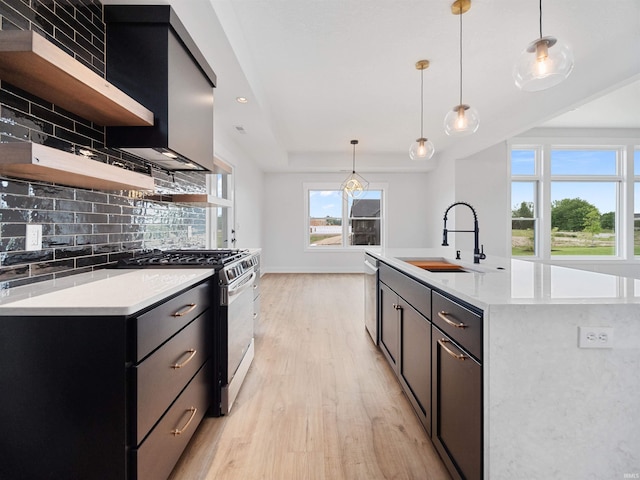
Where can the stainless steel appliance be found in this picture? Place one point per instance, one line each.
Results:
(371, 296)
(233, 319)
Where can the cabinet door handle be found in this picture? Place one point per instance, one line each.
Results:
(445, 316)
(190, 308)
(442, 342)
(397, 307)
(178, 431)
(193, 352)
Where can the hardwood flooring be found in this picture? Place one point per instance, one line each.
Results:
(319, 401)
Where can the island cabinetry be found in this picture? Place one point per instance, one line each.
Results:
(459, 322)
(457, 387)
(405, 339)
(104, 397)
(389, 325)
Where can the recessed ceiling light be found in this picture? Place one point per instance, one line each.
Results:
(242, 99)
(169, 154)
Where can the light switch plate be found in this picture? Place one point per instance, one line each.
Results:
(595, 337)
(33, 237)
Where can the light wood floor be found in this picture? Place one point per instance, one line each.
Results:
(319, 401)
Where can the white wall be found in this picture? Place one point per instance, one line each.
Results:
(249, 193)
(483, 181)
(409, 215)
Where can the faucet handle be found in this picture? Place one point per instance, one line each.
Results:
(482, 255)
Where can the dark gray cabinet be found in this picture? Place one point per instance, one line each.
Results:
(457, 387)
(457, 407)
(433, 342)
(405, 337)
(415, 362)
(104, 397)
(389, 325)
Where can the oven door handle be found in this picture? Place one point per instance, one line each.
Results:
(245, 285)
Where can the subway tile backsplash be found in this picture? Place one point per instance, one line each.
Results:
(81, 229)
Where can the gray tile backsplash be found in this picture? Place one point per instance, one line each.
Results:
(81, 229)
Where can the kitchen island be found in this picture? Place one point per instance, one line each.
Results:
(550, 409)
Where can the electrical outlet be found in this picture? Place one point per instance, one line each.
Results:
(33, 237)
(595, 337)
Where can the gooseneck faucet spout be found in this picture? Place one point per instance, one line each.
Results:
(478, 250)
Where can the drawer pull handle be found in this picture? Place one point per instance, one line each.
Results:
(445, 316)
(177, 431)
(184, 312)
(442, 342)
(180, 365)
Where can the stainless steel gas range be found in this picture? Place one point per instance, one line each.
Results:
(232, 298)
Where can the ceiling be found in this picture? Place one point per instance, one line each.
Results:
(318, 73)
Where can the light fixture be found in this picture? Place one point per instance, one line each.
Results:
(422, 148)
(169, 154)
(462, 119)
(543, 64)
(355, 185)
(242, 100)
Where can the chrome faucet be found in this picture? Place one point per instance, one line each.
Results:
(478, 253)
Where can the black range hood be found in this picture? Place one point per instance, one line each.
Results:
(152, 58)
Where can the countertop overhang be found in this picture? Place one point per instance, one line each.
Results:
(102, 292)
(505, 281)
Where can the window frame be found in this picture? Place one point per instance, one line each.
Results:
(624, 179)
(335, 186)
(220, 185)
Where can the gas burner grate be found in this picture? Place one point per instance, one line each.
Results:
(185, 258)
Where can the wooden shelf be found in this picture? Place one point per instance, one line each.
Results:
(32, 63)
(32, 161)
(195, 199)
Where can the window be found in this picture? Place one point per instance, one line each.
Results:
(220, 185)
(524, 202)
(334, 221)
(568, 201)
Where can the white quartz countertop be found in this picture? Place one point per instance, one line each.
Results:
(503, 281)
(103, 292)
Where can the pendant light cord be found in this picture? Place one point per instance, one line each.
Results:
(540, 18)
(354, 159)
(460, 3)
(421, 102)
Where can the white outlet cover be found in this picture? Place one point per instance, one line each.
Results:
(595, 337)
(33, 240)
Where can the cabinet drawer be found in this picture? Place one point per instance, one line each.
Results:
(157, 325)
(461, 324)
(415, 293)
(161, 376)
(156, 457)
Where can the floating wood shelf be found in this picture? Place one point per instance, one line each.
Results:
(32, 161)
(195, 199)
(30, 62)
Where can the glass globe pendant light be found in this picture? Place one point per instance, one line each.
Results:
(462, 119)
(422, 148)
(355, 185)
(543, 64)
